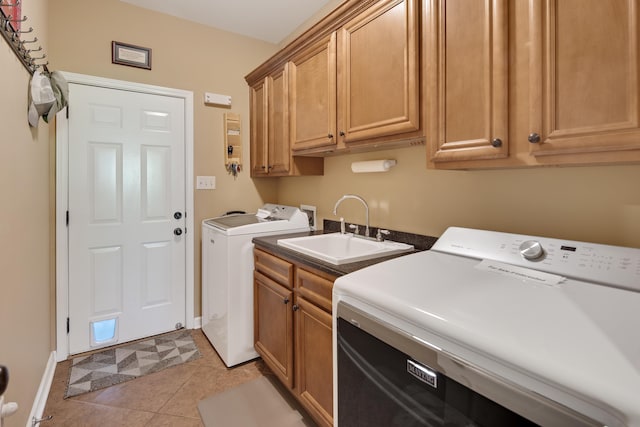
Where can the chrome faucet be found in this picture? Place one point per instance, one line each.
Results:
(366, 207)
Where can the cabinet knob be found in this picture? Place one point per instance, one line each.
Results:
(330, 136)
(341, 133)
(496, 142)
(295, 307)
(285, 301)
(534, 138)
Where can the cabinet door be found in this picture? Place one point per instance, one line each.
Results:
(279, 153)
(273, 326)
(312, 94)
(378, 72)
(584, 77)
(259, 128)
(467, 98)
(314, 361)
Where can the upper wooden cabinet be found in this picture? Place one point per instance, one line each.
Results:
(359, 85)
(584, 93)
(270, 142)
(278, 149)
(313, 95)
(354, 82)
(259, 131)
(569, 96)
(467, 80)
(379, 72)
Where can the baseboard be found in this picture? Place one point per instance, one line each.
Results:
(197, 322)
(43, 391)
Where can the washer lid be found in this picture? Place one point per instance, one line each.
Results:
(233, 221)
(574, 341)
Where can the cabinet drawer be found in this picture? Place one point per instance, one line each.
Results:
(315, 288)
(275, 268)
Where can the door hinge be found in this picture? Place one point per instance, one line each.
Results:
(67, 219)
(67, 325)
(67, 112)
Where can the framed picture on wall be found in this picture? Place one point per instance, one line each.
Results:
(131, 55)
(13, 9)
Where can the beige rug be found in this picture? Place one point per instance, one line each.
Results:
(262, 402)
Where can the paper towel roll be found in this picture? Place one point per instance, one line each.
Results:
(372, 166)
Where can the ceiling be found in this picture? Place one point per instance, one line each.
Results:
(268, 20)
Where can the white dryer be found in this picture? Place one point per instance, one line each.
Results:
(227, 275)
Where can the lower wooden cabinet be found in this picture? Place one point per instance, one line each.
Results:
(293, 330)
(274, 326)
(314, 364)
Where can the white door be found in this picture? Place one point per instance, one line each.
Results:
(126, 216)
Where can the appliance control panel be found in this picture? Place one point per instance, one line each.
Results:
(610, 265)
(275, 212)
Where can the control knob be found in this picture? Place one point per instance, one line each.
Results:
(531, 250)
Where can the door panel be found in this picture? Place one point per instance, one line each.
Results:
(312, 93)
(279, 146)
(378, 72)
(126, 179)
(584, 86)
(314, 362)
(259, 131)
(467, 80)
(273, 331)
(106, 280)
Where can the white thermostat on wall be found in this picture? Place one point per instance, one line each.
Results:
(217, 99)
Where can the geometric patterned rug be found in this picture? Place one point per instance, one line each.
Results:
(119, 364)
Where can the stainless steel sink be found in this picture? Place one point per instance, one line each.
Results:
(337, 249)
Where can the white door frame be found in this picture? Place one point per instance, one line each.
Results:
(62, 176)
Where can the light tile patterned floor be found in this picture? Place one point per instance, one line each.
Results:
(166, 398)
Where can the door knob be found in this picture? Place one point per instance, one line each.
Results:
(177, 215)
(534, 138)
(496, 142)
(4, 379)
(177, 231)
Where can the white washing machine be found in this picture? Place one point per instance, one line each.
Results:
(491, 329)
(227, 275)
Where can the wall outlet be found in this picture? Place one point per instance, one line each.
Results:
(205, 183)
(311, 213)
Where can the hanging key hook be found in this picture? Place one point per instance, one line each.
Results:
(22, 42)
(24, 32)
(12, 19)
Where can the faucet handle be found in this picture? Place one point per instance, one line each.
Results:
(379, 234)
(354, 228)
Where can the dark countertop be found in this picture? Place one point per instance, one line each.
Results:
(270, 244)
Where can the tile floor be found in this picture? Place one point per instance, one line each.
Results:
(165, 398)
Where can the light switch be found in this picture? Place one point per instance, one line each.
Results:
(205, 183)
